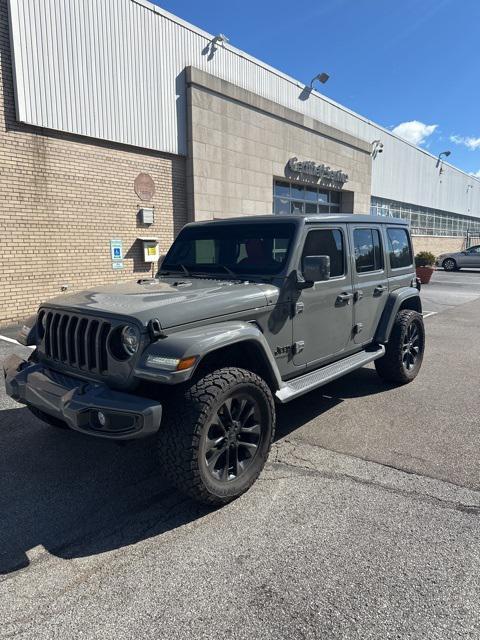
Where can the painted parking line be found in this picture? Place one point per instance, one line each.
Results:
(466, 283)
(427, 314)
(12, 341)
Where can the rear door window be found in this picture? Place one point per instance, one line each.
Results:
(399, 248)
(368, 250)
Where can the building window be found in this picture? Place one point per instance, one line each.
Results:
(326, 242)
(291, 197)
(425, 221)
(368, 250)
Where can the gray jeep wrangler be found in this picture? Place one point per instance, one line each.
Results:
(243, 315)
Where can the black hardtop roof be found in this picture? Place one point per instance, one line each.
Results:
(326, 218)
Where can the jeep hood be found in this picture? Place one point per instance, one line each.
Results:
(174, 301)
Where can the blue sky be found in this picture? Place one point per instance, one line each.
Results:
(412, 64)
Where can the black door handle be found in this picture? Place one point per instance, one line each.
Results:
(344, 297)
(379, 290)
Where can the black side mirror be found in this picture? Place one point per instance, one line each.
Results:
(316, 268)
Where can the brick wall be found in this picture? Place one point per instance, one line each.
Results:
(63, 197)
(437, 244)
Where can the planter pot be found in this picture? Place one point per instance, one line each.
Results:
(425, 274)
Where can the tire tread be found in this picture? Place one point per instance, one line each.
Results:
(179, 436)
(390, 366)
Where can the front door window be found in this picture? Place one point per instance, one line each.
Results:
(327, 242)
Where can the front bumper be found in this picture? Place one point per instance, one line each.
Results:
(77, 402)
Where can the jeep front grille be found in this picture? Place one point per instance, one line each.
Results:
(76, 341)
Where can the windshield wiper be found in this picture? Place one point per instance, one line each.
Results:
(228, 270)
(198, 274)
(182, 267)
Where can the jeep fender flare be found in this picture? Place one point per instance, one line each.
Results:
(403, 298)
(200, 342)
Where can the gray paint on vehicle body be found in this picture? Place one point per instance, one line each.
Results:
(294, 328)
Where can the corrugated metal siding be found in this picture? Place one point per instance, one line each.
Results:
(407, 174)
(99, 68)
(114, 70)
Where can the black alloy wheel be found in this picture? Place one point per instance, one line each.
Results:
(404, 349)
(217, 433)
(411, 346)
(233, 437)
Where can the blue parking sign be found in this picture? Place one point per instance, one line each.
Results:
(116, 249)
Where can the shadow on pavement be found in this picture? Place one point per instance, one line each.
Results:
(363, 382)
(78, 496)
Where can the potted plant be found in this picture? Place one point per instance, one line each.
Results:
(424, 261)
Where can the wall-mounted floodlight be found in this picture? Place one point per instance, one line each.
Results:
(220, 39)
(212, 45)
(321, 77)
(377, 147)
(440, 156)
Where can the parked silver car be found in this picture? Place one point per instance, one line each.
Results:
(460, 259)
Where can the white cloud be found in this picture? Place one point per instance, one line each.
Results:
(476, 174)
(414, 131)
(467, 141)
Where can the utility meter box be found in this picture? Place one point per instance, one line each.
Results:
(147, 216)
(151, 249)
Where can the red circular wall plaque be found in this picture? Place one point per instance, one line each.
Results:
(144, 186)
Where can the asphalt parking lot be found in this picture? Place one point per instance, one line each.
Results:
(365, 523)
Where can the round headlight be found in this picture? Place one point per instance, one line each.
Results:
(130, 339)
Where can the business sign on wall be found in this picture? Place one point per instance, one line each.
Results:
(144, 186)
(308, 169)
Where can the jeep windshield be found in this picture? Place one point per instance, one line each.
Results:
(231, 250)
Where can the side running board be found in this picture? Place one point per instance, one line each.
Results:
(303, 384)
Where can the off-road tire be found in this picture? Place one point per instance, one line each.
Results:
(183, 434)
(391, 366)
(50, 420)
(449, 264)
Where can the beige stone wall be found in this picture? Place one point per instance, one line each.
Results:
(62, 198)
(238, 143)
(437, 244)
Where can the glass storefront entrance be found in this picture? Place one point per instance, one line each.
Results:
(291, 197)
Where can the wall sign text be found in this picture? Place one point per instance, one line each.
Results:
(321, 172)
